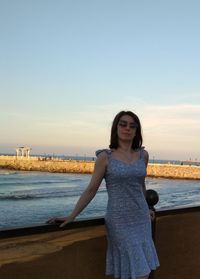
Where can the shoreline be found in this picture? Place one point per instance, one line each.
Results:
(170, 171)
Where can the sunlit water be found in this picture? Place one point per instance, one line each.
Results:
(30, 198)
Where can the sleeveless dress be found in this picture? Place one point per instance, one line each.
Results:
(130, 249)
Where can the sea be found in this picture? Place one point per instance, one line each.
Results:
(31, 198)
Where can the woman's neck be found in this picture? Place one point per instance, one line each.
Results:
(125, 147)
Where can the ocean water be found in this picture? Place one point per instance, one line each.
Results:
(31, 198)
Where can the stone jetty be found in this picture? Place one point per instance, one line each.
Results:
(73, 166)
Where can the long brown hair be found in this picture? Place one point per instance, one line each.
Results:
(137, 141)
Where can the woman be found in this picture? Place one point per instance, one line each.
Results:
(131, 252)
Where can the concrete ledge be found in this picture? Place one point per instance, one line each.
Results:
(79, 253)
(6, 233)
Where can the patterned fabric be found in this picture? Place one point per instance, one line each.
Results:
(131, 252)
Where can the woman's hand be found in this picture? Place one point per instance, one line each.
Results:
(63, 220)
(67, 220)
(152, 214)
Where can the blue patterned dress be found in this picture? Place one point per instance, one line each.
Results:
(131, 252)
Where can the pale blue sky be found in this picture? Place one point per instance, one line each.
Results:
(67, 67)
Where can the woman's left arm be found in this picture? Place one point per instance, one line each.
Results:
(146, 158)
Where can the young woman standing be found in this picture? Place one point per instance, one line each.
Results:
(131, 252)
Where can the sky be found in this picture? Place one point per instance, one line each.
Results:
(68, 67)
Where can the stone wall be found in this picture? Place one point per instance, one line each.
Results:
(173, 171)
(45, 164)
(72, 166)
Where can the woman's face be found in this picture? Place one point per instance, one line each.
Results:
(126, 128)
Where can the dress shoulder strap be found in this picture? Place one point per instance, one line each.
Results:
(108, 152)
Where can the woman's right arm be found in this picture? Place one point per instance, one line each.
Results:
(89, 193)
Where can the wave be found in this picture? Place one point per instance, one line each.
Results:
(11, 182)
(31, 195)
(29, 183)
(7, 172)
(36, 196)
(4, 183)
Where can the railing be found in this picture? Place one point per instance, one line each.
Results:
(152, 199)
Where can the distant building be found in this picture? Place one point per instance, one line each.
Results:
(23, 151)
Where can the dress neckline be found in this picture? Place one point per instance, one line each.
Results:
(126, 163)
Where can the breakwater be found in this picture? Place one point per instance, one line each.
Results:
(73, 166)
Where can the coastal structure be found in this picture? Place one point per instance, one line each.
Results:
(23, 151)
(73, 166)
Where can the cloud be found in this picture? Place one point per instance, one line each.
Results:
(167, 129)
(173, 129)
(182, 117)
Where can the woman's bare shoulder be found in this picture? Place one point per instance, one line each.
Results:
(102, 156)
(146, 156)
(146, 153)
